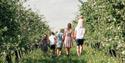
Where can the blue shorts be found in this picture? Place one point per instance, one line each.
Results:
(79, 42)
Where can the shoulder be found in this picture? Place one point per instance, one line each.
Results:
(62, 33)
(65, 29)
(49, 36)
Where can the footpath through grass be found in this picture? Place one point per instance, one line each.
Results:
(89, 56)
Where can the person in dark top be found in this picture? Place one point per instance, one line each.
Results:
(44, 44)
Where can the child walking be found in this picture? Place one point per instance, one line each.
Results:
(59, 42)
(44, 44)
(53, 41)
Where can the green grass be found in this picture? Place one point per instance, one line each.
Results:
(99, 57)
(89, 56)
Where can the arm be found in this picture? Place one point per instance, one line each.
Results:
(74, 35)
(75, 32)
(48, 41)
(55, 39)
(64, 34)
(84, 31)
(63, 37)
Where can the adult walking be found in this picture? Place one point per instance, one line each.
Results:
(79, 35)
(68, 38)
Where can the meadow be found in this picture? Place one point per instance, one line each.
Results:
(89, 56)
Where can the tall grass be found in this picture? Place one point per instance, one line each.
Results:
(89, 56)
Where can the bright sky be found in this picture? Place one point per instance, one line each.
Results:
(57, 12)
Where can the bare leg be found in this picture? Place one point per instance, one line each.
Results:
(81, 49)
(60, 52)
(78, 50)
(67, 51)
(57, 52)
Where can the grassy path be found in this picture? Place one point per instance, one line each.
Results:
(89, 56)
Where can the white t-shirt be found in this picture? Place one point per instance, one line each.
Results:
(52, 39)
(80, 31)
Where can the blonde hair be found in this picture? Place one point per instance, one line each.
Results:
(81, 17)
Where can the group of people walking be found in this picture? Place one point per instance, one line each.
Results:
(60, 39)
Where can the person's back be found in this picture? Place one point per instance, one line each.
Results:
(52, 39)
(59, 42)
(80, 31)
(68, 33)
(60, 36)
(59, 39)
(44, 44)
(68, 38)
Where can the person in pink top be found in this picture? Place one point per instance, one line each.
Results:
(68, 38)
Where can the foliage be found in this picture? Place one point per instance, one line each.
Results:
(105, 25)
(19, 28)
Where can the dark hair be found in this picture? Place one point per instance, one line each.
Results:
(45, 37)
(69, 26)
(52, 33)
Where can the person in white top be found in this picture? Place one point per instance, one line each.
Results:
(80, 31)
(53, 41)
(79, 36)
